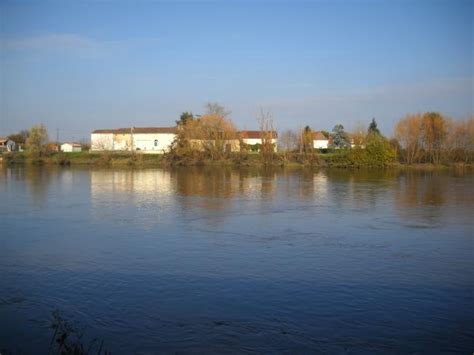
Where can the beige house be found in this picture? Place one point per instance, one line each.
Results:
(253, 138)
(150, 140)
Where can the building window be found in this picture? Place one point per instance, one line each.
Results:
(156, 142)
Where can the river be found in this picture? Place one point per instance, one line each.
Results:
(224, 260)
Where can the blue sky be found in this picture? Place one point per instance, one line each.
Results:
(78, 66)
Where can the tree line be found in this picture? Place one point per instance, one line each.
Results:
(433, 138)
(417, 138)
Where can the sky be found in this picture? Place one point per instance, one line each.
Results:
(76, 66)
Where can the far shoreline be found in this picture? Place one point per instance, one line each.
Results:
(129, 160)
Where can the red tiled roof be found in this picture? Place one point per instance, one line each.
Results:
(255, 134)
(318, 136)
(138, 130)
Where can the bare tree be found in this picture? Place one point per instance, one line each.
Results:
(212, 133)
(434, 135)
(408, 132)
(267, 135)
(215, 109)
(358, 135)
(101, 143)
(288, 142)
(459, 145)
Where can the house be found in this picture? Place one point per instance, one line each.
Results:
(320, 141)
(7, 145)
(153, 140)
(53, 147)
(71, 147)
(253, 138)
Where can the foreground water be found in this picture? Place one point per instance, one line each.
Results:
(197, 260)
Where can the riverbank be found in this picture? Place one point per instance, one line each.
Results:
(120, 159)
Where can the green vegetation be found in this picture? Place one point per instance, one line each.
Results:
(212, 139)
(377, 153)
(85, 158)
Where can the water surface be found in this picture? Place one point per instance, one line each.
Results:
(222, 260)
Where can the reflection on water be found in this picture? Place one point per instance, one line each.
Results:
(227, 260)
(417, 196)
(130, 196)
(146, 196)
(423, 197)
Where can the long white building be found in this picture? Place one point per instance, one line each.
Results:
(152, 140)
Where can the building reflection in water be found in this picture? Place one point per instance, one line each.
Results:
(152, 196)
(140, 197)
(211, 193)
(224, 183)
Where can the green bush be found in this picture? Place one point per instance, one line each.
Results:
(378, 151)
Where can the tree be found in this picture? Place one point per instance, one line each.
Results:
(408, 132)
(378, 150)
(214, 108)
(358, 135)
(434, 134)
(267, 135)
(213, 133)
(373, 127)
(306, 141)
(185, 116)
(20, 137)
(460, 141)
(339, 137)
(288, 141)
(308, 154)
(37, 138)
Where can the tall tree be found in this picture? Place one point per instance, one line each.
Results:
(287, 141)
(37, 139)
(339, 137)
(358, 135)
(434, 134)
(185, 116)
(267, 134)
(307, 140)
(408, 132)
(216, 109)
(373, 127)
(211, 134)
(20, 137)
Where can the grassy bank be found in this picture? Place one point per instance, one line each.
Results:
(342, 159)
(84, 158)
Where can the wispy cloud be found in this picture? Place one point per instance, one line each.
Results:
(69, 43)
(393, 93)
(452, 96)
(52, 42)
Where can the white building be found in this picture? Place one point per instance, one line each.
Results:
(255, 137)
(7, 145)
(154, 140)
(320, 141)
(71, 147)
